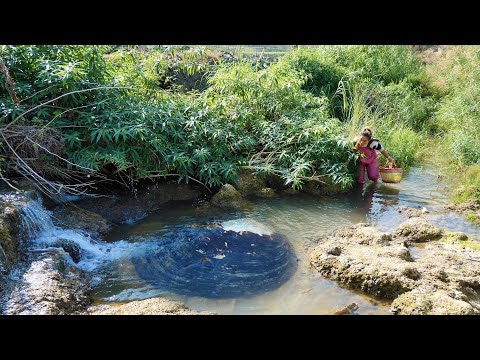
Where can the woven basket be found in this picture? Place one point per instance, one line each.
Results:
(391, 175)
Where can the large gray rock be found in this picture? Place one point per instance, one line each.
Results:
(248, 183)
(49, 287)
(417, 229)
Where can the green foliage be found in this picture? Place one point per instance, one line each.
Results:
(457, 120)
(401, 142)
(321, 72)
(44, 72)
(383, 64)
(294, 136)
(293, 117)
(402, 103)
(468, 185)
(187, 67)
(135, 69)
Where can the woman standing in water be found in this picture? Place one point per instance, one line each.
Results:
(367, 147)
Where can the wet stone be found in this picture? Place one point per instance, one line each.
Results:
(336, 251)
(411, 273)
(215, 263)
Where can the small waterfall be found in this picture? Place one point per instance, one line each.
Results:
(36, 219)
(42, 234)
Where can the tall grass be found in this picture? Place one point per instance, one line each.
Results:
(468, 185)
(395, 134)
(455, 71)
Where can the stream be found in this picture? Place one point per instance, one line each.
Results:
(250, 262)
(301, 220)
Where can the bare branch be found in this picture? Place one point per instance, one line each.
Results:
(38, 92)
(49, 188)
(8, 182)
(66, 94)
(191, 178)
(58, 156)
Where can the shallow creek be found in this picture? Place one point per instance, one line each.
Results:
(157, 256)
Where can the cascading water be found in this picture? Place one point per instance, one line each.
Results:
(42, 232)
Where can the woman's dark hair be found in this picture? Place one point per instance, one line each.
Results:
(366, 133)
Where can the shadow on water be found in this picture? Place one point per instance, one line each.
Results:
(215, 263)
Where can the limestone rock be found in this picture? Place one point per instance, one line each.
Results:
(153, 306)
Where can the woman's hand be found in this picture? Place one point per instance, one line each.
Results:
(391, 162)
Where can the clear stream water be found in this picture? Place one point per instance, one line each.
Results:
(123, 266)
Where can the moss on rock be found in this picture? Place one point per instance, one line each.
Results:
(248, 183)
(430, 302)
(229, 198)
(460, 240)
(10, 235)
(81, 219)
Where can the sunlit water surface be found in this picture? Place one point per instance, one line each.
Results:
(300, 220)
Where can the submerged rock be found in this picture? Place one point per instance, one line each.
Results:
(411, 212)
(266, 193)
(470, 210)
(130, 208)
(323, 188)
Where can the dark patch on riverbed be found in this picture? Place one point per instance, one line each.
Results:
(215, 263)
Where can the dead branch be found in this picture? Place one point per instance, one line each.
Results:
(314, 177)
(63, 95)
(22, 147)
(9, 84)
(347, 309)
(8, 182)
(191, 178)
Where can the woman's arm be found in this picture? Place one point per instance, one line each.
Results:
(389, 158)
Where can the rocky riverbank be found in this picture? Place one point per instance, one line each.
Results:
(421, 268)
